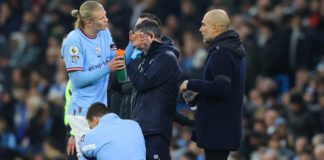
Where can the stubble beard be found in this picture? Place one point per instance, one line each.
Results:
(207, 41)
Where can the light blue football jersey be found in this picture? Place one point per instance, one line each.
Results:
(84, 54)
(114, 139)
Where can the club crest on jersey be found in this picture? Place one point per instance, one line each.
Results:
(98, 51)
(74, 50)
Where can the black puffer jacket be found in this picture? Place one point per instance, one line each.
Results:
(155, 80)
(219, 108)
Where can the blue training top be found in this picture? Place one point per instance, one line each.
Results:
(114, 139)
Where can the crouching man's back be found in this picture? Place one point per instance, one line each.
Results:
(111, 138)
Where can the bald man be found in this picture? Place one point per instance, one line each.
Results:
(219, 96)
(319, 152)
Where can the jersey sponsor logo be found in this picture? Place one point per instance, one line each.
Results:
(74, 50)
(103, 63)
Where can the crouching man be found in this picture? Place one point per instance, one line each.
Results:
(111, 138)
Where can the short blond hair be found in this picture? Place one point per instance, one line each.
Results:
(85, 12)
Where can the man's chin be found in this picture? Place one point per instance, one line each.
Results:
(104, 27)
(207, 41)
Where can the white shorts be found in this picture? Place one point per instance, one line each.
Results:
(80, 126)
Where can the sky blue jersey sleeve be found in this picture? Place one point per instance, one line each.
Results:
(83, 78)
(72, 55)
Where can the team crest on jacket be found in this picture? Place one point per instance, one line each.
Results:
(74, 50)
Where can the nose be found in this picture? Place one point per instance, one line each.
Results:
(201, 29)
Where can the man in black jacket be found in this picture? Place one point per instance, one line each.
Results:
(120, 98)
(155, 80)
(220, 94)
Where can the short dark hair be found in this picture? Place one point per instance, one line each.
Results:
(151, 17)
(148, 26)
(97, 110)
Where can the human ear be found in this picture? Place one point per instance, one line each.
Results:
(150, 34)
(88, 22)
(215, 28)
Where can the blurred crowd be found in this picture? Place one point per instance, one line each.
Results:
(284, 100)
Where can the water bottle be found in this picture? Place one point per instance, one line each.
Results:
(121, 74)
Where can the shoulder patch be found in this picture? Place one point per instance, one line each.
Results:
(73, 50)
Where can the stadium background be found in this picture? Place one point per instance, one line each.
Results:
(284, 102)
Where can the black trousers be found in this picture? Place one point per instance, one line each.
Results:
(157, 148)
(216, 154)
